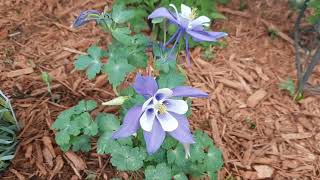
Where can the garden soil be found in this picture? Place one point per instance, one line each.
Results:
(262, 132)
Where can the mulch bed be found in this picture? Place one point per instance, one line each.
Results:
(261, 131)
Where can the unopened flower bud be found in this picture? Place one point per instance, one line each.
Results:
(116, 101)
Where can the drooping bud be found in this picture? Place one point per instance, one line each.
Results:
(116, 101)
(84, 18)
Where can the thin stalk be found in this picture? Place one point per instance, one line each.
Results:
(175, 34)
(115, 91)
(164, 31)
(314, 61)
(297, 47)
(177, 41)
(154, 33)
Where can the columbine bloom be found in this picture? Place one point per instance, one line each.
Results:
(84, 18)
(187, 24)
(161, 113)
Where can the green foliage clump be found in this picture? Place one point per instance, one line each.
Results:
(8, 130)
(125, 53)
(313, 5)
(315, 16)
(289, 86)
(75, 127)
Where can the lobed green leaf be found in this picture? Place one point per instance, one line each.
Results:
(128, 158)
(160, 172)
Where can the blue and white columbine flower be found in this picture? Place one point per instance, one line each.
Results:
(85, 17)
(188, 24)
(161, 113)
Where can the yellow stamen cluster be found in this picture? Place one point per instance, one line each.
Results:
(161, 108)
(193, 14)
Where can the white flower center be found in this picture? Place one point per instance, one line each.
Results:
(193, 14)
(188, 17)
(161, 108)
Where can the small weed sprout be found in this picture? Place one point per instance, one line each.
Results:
(46, 78)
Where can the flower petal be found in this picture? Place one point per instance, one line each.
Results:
(206, 35)
(162, 94)
(187, 49)
(179, 36)
(130, 123)
(145, 85)
(176, 106)
(182, 133)
(147, 119)
(167, 121)
(83, 18)
(163, 12)
(217, 35)
(172, 37)
(200, 21)
(187, 91)
(155, 138)
(185, 11)
(147, 103)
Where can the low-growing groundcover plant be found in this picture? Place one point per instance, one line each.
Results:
(8, 130)
(151, 132)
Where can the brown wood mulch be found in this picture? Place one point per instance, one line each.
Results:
(261, 131)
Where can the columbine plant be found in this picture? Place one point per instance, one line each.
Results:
(155, 134)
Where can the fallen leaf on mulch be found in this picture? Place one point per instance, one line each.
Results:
(296, 136)
(263, 171)
(19, 72)
(19, 176)
(28, 153)
(76, 160)
(101, 81)
(48, 143)
(57, 168)
(256, 98)
(48, 157)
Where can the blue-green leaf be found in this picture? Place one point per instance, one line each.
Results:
(107, 122)
(62, 137)
(176, 156)
(128, 159)
(92, 129)
(160, 172)
(289, 86)
(117, 72)
(122, 35)
(214, 159)
(171, 79)
(107, 145)
(120, 14)
(81, 143)
(180, 176)
(91, 62)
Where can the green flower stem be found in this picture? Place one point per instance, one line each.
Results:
(115, 91)
(49, 89)
(164, 31)
(154, 34)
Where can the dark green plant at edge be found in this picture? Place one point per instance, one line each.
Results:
(8, 130)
